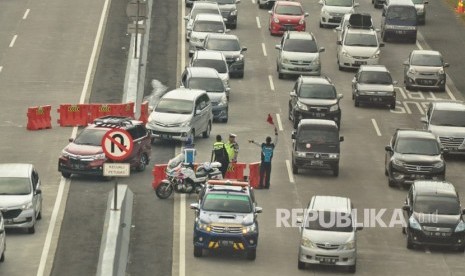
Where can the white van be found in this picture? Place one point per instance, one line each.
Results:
(181, 114)
(328, 233)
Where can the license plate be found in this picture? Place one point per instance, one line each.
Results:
(77, 166)
(8, 221)
(226, 243)
(451, 148)
(360, 62)
(318, 114)
(376, 99)
(316, 163)
(327, 260)
(400, 32)
(165, 136)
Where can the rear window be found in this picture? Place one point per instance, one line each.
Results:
(317, 91)
(207, 84)
(426, 60)
(340, 3)
(402, 13)
(289, 10)
(208, 26)
(223, 45)
(375, 77)
(15, 186)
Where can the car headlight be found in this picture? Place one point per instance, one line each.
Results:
(234, 12)
(100, 156)
(194, 39)
(64, 153)
(249, 229)
(300, 153)
(412, 70)
(438, 165)
(348, 246)
(376, 55)
(307, 243)
(324, 12)
(361, 92)
(185, 124)
(441, 71)
(26, 206)
(240, 57)
(301, 106)
(460, 227)
(397, 162)
(333, 155)
(275, 19)
(388, 26)
(204, 226)
(334, 108)
(346, 54)
(285, 60)
(223, 101)
(302, 21)
(316, 61)
(414, 223)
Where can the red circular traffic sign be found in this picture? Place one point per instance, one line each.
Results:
(117, 144)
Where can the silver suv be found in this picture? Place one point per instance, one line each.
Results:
(181, 114)
(203, 25)
(212, 59)
(20, 196)
(447, 121)
(198, 8)
(299, 54)
(425, 69)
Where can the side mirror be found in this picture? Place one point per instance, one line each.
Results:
(38, 191)
(238, 1)
(341, 139)
(70, 140)
(293, 94)
(378, 30)
(186, 17)
(340, 96)
(181, 86)
(354, 80)
(306, 14)
(197, 111)
(322, 49)
(226, 31)
(356, 5)
(446, 64)
(338, 42)
(194, 206)
(388, 148)
(293, 135)
(381, 45)
(395, 82)
(321, 2)
(244, 49)
(406, 208)
(277, 46)
(228, 89)
(338, 29)
(424, 120)
(405, 62)
(258, 210)
(358, 228)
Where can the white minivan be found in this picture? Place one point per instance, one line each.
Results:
(181, 114)
(328, 233)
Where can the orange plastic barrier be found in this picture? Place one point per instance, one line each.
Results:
(144, 112)
(100, 110)
(158, 174)
(235, 171)
(127, 110)
(254, 174)
(38, 117)
(73, 114)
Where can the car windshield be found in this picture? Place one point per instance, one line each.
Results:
(362, 40)
(208, 26)
(418, 146)
(207, 84)
(223, 2)
(375, 77)
(417, 1)
(426, 60)
(340, 3)
(199, 11)
(448, 118)
(15, 186)
(317, 91)
(223, 45)
(90, 136)
(401, 13)
(227, 203)
(288, 10)
(219, 65)
(329, 221)
(175, 106)
(300, 45)
(315, 137)
(441, 205)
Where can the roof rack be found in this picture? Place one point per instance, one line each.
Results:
(113, 121)
(360, 21)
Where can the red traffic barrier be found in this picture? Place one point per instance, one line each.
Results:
(127, 110)
(235, 171)
(73, 114)
(101, 110)
(38, 117)
(254, 174)
(158, 174)
(144, 112)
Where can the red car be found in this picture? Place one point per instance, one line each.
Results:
(287, 15)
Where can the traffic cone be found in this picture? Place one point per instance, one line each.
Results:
(460, 8)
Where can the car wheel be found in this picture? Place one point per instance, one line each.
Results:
(240, 75)
(65, 174)
(295, 123)
(300, 265)
(386, 172)
(321, 25)
(409, 243)
(295, 169)
(32, 229)
(356, 103)
(39, 215)
(391, 183)
(198, 251)
(290, 113)
(225, 120)
(280, 75)
(206, 133)
(393, 105)
(352, 268)
(384, 37)
(143, 162)
(336, 170)
(408, 87)
(234, 26)
(251, 254)
(461, 248)
(442, 88)
(2, 258)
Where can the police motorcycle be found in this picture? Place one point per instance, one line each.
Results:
(181, 177)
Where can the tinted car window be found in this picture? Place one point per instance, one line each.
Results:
(364, 40)
(329, 221)
(300, 45)
(223, 45)
(174, 106)
(219, 65)
(417, 146)
(448, 118)
(402, 13)
(375, 77)
(317, 91)
(227, 203)
(90, 136)
(222, 2)
(436, 205)
(426, 60)
(341, 3)
(207, 84)
(208, 26)
(15, 186)
(288, 10)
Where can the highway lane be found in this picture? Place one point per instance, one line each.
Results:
(46, 65)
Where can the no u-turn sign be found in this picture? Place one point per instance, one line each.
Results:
(117, 144)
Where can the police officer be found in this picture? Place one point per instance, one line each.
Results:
(233, 148)
(220, 154)
(266, 157)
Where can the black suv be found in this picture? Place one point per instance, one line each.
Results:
(226, 218)
(84, 154)
(228, 10)
(434, 215)
(314, 98)
(413, 154)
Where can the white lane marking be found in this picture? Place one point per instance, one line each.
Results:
(427, 251)
(264, 49)
(12, 43)
(182, 235)
(26, 13)
(418, 45)
(289, 171)
(258, 22)
(450, 93)
(253, 1)
(183, 37)
(271, 82)
(51, 227)
(375, 125)
(401, 90)
(1, 68)
(280, 125)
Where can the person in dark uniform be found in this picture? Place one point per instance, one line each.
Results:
(220, 154)
(266, 157)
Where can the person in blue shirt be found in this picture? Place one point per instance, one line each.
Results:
(266, 157)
